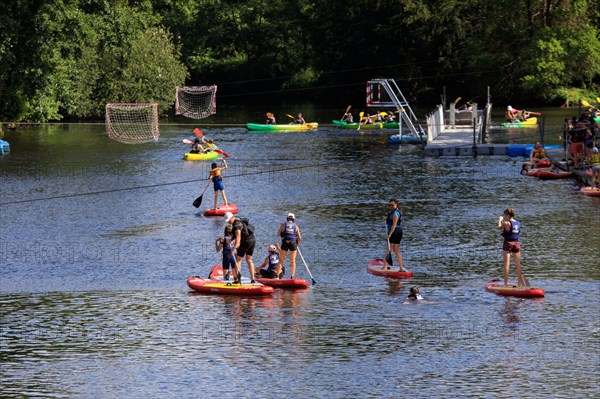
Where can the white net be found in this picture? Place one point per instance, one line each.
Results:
(132, 123)
(196, 102)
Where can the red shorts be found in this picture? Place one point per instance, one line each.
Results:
(512, 246)
(577, 148)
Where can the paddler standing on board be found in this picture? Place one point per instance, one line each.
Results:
(290, 240)
(511, 231)
(394, 234)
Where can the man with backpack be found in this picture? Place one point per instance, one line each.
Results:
(245, 241)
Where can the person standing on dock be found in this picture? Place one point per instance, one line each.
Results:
(595, 165)
(511, 231)
(393, 222)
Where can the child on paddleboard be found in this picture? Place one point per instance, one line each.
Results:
(227, 245)
(217, 179)
(272, 261)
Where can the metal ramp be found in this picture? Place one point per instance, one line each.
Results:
(386, 93)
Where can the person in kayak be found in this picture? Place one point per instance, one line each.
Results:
(216, 176)
(227, 245)
(197, 148)
(272, 261)
(290, 240)
(511, 231)
(414, 294)
(393, 222)
(270, 119)
(299, 120)
(243, 232)
(348, 118)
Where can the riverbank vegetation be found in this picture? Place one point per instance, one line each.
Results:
(68, 58)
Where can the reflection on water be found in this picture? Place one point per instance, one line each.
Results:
(93, 299)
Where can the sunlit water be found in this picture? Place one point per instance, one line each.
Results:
(94, 301)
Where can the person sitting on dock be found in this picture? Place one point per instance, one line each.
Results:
(270, 119)
(538, 154)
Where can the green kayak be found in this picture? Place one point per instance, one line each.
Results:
(354, 126)
(261, 127)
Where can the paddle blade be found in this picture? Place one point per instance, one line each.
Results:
(585, 103)
(186, 141)
(226, 155)
(348, 109)
(457, 100)
(198, 132)
(388, 259)
(290, 116)
(198, 201)
(534, 113)
(598, 100)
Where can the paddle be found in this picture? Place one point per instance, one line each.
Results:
(226, 155)
(360, 116)
(289, 116)
(346, 113)
(456, 101)
(186, 141)
(533, 113)
(198, 132)
(306, 266)
(388, 257)
(598, 100)
(198, 201)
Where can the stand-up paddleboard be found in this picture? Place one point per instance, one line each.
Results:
(376, 267)
(216, 285)
(221, 210)
(553, 175)
(290, 283)
(497, 287)
(590, 191)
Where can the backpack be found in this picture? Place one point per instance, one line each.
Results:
(248, 227)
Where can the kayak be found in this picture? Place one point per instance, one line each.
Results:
(407, 139)
(188, 156)
(497, 287)
(4, 147)
(375, 267)
(551, 175)
(221, 210)
(291, 283)
(261, 127)
(354, 126)
(590, 191)
(531, 122)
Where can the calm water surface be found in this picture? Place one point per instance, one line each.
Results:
(94, 301)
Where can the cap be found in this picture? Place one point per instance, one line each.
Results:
(509, 108)
(291, 215)
(272, 248)
(595, 149)
(228, 216)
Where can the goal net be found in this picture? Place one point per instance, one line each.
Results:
(132, 123)
(196, 102)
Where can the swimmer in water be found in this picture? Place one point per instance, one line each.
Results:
(414, 294)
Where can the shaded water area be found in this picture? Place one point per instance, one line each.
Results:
(93, 292)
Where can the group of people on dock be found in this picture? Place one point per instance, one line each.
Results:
(580, 137)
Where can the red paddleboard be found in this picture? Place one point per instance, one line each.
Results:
(542, 164)
(590, 191)
(375, 267)
(549, 175)
(221, 210)
(291, 283)
(215, 285)
(497, 287)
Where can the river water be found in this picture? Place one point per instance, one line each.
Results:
(98, 238)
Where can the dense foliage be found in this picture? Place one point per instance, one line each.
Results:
(68, 58)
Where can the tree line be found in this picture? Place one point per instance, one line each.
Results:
(65, 59)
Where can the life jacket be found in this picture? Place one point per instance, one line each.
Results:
(514, 232)
(595, 159)
(228, 245)
(273, 261)
(215, 174)
(289, 232)
(389, 221)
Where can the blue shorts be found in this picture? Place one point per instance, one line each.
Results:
(218, 184)
(229, 261)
